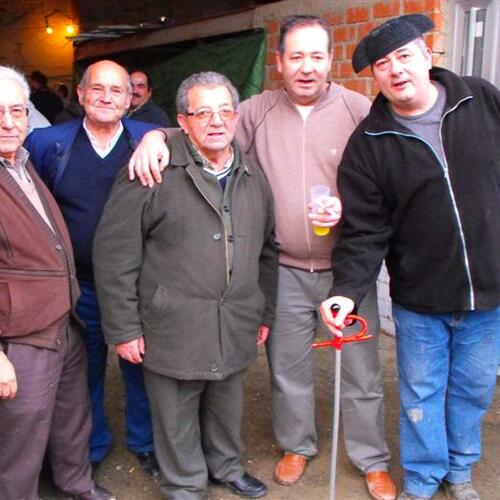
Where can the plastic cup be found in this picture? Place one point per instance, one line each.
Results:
(317, 193)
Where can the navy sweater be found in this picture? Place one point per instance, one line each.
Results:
(83, 191)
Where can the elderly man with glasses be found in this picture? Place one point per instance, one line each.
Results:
(187, 270)
(44, 403)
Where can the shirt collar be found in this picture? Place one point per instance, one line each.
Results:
(20, 159)
(204, 163)
(111, 143)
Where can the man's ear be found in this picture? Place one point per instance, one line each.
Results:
(279, 65)
(80, 93)
(181, 120)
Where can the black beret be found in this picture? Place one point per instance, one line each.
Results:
(388, 37)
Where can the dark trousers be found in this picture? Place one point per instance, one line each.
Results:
(137, 412)
(196, 427)
(51, 411)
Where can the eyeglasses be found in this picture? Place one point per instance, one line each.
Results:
(15, 112)
(206, 115)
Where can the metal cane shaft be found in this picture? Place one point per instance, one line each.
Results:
(335, 429)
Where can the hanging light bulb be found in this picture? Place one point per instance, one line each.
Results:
(70, 29)
(48, 28)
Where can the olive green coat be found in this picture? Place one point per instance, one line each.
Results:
(191, 267)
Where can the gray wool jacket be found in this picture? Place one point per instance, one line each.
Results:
(191, 267)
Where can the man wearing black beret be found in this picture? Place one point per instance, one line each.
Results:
(420, 187)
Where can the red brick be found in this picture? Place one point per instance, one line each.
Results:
(338, 52)
(386, 9)
(343, 33)
(431, 5)
(419, 6)
(414, 6)
(358, 14)
(272, 27)
(356, 84)
(345, 70)
(350, 49)
(438, 19)
(365, 28)
(272, 42)
(333, 19)
(270, 57)
(366, 72)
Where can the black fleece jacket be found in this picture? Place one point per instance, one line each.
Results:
(436, 224)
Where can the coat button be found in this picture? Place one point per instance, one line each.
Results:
(58, 247)
(230, 238)
(225, 208)
(214, 367)
(217, 236)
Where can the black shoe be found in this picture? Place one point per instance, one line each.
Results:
(149, 463)
(96, 493)
(246, 486)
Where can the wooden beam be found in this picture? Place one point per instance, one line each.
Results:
(220, 25)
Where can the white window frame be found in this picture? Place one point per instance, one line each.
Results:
(491, 49)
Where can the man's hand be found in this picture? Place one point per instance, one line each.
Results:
(132, 351)
(336, 322)
(8, 382)
(262, 334)
(149, 159)
(327, 213)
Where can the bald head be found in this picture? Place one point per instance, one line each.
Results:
(104, 93)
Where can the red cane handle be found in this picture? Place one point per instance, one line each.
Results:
(337, 342)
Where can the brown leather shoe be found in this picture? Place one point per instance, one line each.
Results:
(290, 468)
(380, 485)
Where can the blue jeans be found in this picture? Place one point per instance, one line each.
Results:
(137, 411)
(447, 375)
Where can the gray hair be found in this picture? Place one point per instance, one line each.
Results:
(203, 79)
(420, 42)
(85, 77)
(8, 73)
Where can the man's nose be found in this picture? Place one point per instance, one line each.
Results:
(307, 65)
(216, 119)
(396, 67)
(6, 121)
(106, 95)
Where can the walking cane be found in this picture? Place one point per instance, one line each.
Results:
(336, 343)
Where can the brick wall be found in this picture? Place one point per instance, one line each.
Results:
(349, 22)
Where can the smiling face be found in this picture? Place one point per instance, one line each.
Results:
(305, 63)
(13, 118)
(403, 78)
(213, 135)
(141, 91)
(105, 97)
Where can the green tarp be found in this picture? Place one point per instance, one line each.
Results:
(241, 57)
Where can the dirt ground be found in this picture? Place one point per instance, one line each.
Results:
(121, 474)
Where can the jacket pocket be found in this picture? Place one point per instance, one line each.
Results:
(153, 313)
(32, 304)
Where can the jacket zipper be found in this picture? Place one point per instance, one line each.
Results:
(308, 236)
(455, 207)
(444, 167)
